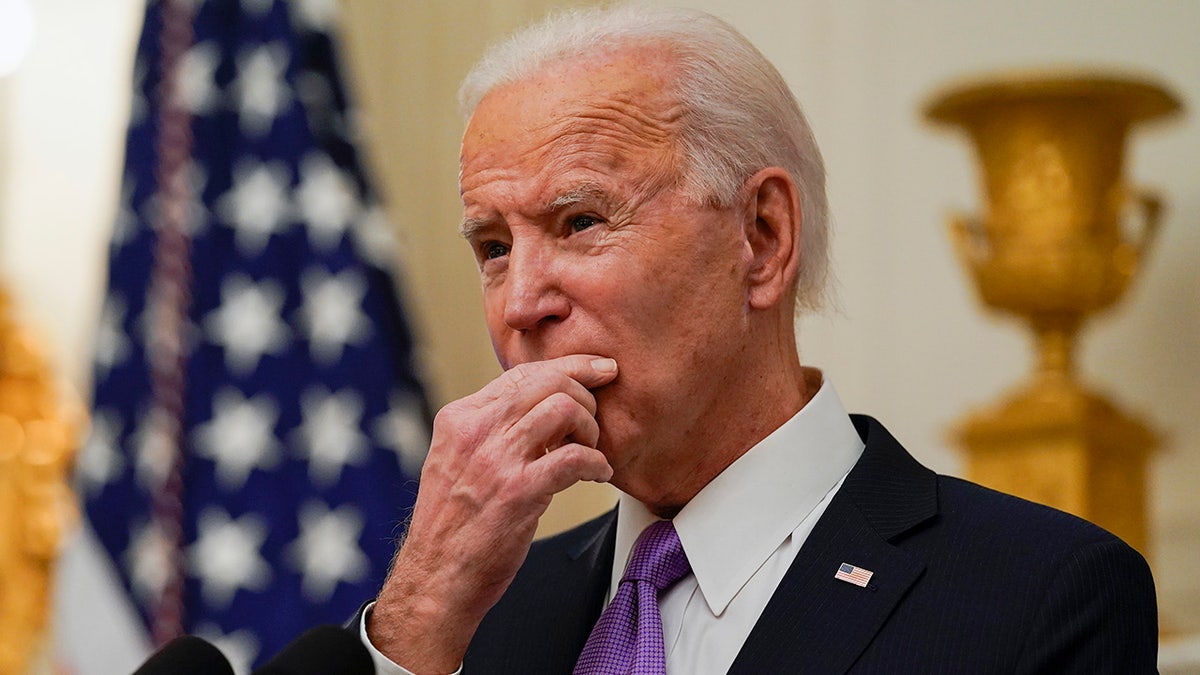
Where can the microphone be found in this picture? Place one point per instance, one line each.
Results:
(324, 649)
(187, 655)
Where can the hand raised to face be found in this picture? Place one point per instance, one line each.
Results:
(497, 458)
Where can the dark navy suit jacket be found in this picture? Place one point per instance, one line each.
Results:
(966, 580)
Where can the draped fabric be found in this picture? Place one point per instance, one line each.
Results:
(258, 424)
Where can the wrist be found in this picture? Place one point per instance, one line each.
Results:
(416, 628)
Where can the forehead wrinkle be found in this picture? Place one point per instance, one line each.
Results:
(609, 142)
(618, 117)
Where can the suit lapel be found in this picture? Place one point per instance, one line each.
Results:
(817, 623)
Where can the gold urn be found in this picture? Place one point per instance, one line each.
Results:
(1062, 235)
(38, 430)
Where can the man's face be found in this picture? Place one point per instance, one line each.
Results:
(585, 245)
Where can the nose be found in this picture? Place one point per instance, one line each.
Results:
(533, 294)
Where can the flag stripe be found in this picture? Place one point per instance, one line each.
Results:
(169, 285)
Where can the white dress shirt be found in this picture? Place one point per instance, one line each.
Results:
(740, 533)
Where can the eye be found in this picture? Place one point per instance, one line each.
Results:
(581, 223)
(494, 249)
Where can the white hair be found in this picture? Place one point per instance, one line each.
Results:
(739, 114)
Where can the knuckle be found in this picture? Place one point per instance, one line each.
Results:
(460, 424)
(562, 404)
(517, 377)
(446, 417)
(450, 420)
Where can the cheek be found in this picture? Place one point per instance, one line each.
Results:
(498, 331)
(676, 331)
(685, 298)
(493, 315)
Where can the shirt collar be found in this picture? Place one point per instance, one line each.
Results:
(727, 530)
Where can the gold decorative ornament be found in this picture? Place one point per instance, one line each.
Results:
(38, 433)
(1062, 237)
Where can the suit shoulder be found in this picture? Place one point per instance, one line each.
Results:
(588, 544)
(577, 539)
(1013, 519)
(910, 505)
(1021, 532)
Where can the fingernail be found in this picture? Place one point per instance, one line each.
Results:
(604, 365)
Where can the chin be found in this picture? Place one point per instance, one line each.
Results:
(622, 453)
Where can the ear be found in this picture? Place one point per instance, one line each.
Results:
(772, 230)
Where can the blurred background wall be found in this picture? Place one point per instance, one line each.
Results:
(907, 341)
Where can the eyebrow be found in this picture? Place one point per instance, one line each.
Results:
(583, 192)
(470, 226)
(580, 193)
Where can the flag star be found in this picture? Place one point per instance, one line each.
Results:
(261, 87)
(315, 90)
(257, 7)
(240, 436)
(240, 647)
(112, 345)
(257, 205)
(318, 15)
(225, 556)
(326, 552)
(329, 435)
(137, 106)
(126, 222)
(148, 562)
(332, 313)
(100, 461)
(195, 213)
(327, 200)
(248, 324)
(349, 124)
(155, 448)
(374, 238)
(404, 431)
(197, 83)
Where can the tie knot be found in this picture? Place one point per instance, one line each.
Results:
(657, 557)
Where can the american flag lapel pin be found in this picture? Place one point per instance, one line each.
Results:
(853, 575)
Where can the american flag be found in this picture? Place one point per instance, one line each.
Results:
(855, 575)
(258, 427)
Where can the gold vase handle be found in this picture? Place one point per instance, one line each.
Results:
(1128, 254)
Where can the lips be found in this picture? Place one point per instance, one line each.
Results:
(549, 355)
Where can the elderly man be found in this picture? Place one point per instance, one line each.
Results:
(646, 205)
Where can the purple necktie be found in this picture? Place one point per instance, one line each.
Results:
(628, 638)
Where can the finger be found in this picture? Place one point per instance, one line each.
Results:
(587, 369)
(549, 423)
(577, 392)
(528, 383)
(568, 465)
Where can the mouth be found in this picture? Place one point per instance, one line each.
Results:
(509, 362)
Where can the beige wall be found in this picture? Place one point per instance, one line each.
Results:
(908, 345)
